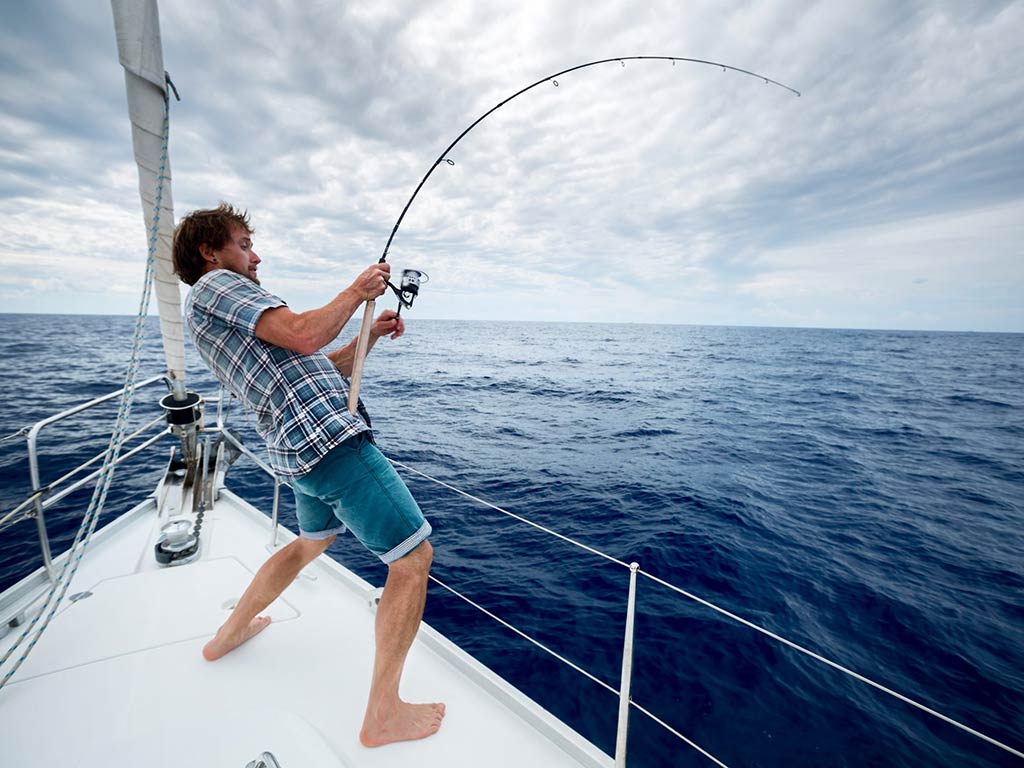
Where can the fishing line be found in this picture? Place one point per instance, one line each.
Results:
(443, 157)
(405, 297)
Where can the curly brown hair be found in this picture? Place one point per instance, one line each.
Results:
(210, 227)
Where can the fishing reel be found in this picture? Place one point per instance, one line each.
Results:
(412, 279)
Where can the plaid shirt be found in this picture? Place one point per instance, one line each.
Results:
(300, 401)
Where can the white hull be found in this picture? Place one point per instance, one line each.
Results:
(118, 677)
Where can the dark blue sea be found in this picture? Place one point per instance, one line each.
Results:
(858, 492)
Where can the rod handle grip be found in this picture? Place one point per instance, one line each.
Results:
(357, 363)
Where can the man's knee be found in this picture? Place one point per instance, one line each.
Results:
(312, 548)
(323, 544)
(417, 561)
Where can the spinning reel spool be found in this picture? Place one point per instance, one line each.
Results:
(412, 279)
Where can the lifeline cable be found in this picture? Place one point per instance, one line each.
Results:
(707, 604)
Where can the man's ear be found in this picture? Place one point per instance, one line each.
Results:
(207, 252)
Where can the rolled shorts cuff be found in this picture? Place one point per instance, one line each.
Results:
(408, 545)
(321, 535)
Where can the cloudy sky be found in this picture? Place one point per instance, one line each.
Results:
(889, 195)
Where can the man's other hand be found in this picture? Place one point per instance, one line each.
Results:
(387, 323)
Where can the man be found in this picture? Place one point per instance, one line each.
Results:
(269, 357)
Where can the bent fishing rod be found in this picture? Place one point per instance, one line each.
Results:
(410, 283)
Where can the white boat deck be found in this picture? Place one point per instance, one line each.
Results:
(118, 678)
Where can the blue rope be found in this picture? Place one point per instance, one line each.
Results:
(99, 496)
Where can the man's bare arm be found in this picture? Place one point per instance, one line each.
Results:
(308, 332)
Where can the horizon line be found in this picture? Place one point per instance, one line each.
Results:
(595, 322)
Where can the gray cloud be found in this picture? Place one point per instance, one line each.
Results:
(321, 118)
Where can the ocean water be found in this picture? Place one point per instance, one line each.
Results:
(858, 492)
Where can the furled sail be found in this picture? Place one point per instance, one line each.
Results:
(137, 25)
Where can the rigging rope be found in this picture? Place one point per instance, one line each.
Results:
(92, 515)
(20, 433)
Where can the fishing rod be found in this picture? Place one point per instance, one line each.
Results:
(404, 296)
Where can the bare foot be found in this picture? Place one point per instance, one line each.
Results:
(222, 643)
(406, 722)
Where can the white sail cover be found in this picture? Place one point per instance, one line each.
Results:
(137, 26)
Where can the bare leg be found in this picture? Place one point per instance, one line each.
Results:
(269, 582)
(388, 718)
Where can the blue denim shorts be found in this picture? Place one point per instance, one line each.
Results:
(354, 486)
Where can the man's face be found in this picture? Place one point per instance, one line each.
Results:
(237, 254)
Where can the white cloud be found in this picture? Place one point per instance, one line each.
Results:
(651, 192)
(915, 269)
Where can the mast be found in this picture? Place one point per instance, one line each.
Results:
(137, 25)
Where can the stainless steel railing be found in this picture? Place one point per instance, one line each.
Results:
(43, 496)
(230, 437)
